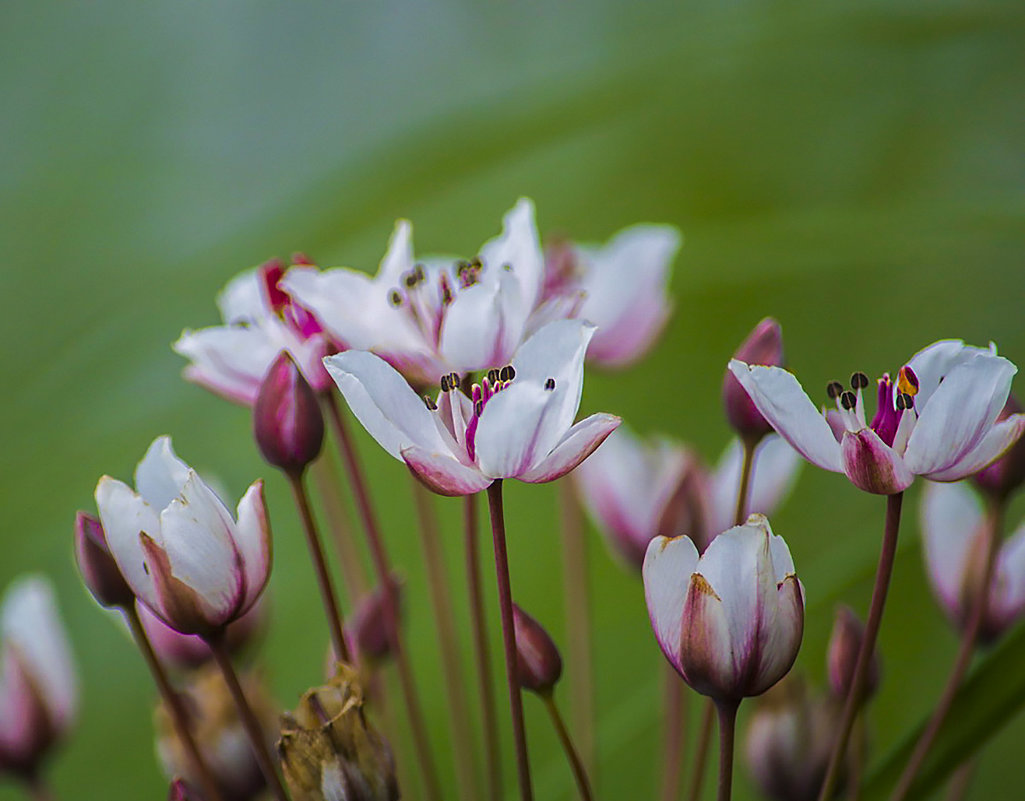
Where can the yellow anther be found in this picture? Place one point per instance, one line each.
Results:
(907, 382)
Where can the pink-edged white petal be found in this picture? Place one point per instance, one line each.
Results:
(991, 447)
(872, 465)
(667, 570)
(773, 473)
(443, 474)
(780, 399)
(124, 514)
(959, 413)
(253, 541)
(517, 250)
(576, 445)
(952, 518)
(780, 635)
(229, 360)
(161, 475)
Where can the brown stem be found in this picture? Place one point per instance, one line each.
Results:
(327, 590)
(509, 638)
(697, 777)
(579, 773)
(252, 726)
(675, 714)
(746, 473)
(329, 483)
(961, 781)
(455, 686)
(969, 640)
(576, 586)
(856, 759)
(481, 650)
(868, 643)
(173, 702)
(379, 557)
(727, 728)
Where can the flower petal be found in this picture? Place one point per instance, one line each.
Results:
(253, 541)
(932, 363)
(951, 520)
(773, 472)
(124, 514)
(577, 444)
(228, 360)
(443, 474)
(667, 570)
(480, 329)
(780, 635)
(517, 250)
(243, 300)
(991, 447)
(160, 476)
(790, 411)
(872, 465)
(1007, 598)
(706, 644)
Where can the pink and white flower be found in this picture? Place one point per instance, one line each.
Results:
(517, 424)
(938, 419)
(730, 620)
(431, 317)
(621, 287)
(38, 687)
(260, 321)
(179, 548)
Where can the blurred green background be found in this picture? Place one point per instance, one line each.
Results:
(853, 169)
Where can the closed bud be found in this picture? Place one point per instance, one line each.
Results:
(287, 421)
(180, 791)
(370, 627)
(100, 572)
(538, 664)
(842, 655)
(764, 345)
(328, 749)
(219, 733)
(1007, 473)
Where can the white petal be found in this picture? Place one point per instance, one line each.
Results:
(398, 258)
(160, 476)
(951, 517)
(737, 564)
(227, 360)
(578, 443)
(932, 363)
(509, 435)
(668, 566)
(474, 330)
(443, 474)
(124, 514)
(253, 541)
(775, 468)
(993, 445)
(780, 399)
(959, 413)
(243, 300)
(384, 403)
(519, 248)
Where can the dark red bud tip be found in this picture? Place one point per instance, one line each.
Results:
(370, 627)
(538, 664)
(99, 571)
(842, 655)
(764, 345)
(1006, 474)
(180, 791)
(287, 421)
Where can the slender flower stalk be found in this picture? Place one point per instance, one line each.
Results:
(179, 715)
(246, 715)
(379, 557)
(328, 483)
(727, 729)
(697, 776)
(481, 649)
(969, 641)
(444, 617)
(577, 589)
(961, 781)
(509, 637)
(579, 772)
(675, 716)
(867, 651)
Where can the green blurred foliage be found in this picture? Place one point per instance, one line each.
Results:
(853, 169)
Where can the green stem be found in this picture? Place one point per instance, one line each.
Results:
(746, 474)
(727, 729)
(579, 772)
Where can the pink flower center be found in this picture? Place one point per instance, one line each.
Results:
(300, 320)
(894, 403)
(425, 294)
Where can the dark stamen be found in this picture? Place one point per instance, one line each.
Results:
(395, 297)
(493, 376)
(834, 389)
(478, 407)
(409, 279)
(848, 400)
(550, 384)
(507, 373)
(900, 402)
(909, 401)
(430, 403)
(419, 272)
(859, 381)
(445, 385)
(453, 380)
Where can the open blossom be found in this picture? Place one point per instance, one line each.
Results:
(178, 546)
(731, 619)
(260, 321)
(954, 540)
(517, 424)
(635, 490)
(38, 689)
(620, 286)
(937, 419)
(431, 317)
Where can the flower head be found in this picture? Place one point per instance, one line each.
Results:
(764, 345)
(97, 566)
(287, 421)
(538, 663)
(730, 620)
(178, 546)
(516, 423)
(842, 656)
(937, 419)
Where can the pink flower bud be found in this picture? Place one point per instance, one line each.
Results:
(368, 626)
(842, 655)
(287, 421)
(538, 664)
(99, 571)
(1007, 473)
(764, 345)
(180, 791)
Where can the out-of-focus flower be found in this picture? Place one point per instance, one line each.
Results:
(330, 752)
(1007, 473)
(219, 734)
(842, 656)
(180, 791)
(538, 663)
(99, 571)
(260, 321)
(938, 419)
(518, 423)
(287, 421)
(436, 316)
(954, 539)
(730, 620)
(187, 651)
(764, 345)
(789, 741)
(178, 546)
(368, 625)
(621, 287)
(38, 687)
(635, 489)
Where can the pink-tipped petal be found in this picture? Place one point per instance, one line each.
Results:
(991, 447)
(668, 566)
(578, 443)
(874, 466)
(441, 473)
(781, 634)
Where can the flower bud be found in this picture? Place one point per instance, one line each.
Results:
(328, 749)
(842, 655)
(538, 664)
(368, 625)
(1007, 473)
(287, 420)
(219, 734)
(99, 571)
(180, 791)
(764, 345)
